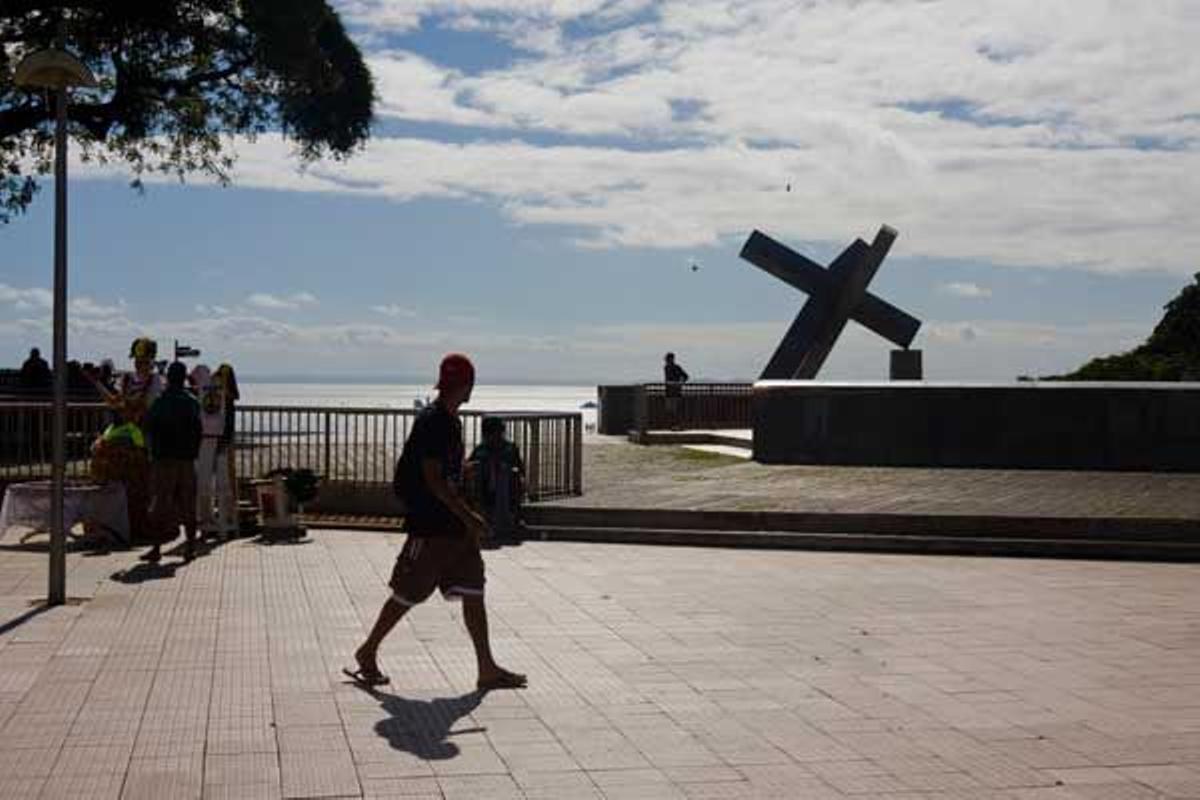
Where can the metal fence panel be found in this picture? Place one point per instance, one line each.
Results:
(347, 445)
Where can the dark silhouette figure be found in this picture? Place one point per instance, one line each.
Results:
(174, 432)
(495, 477)
(442, 550)
(35, 372)
(674, 376)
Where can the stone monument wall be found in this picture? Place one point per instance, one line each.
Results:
(1104, 426)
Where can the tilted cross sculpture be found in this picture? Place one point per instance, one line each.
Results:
(836, 295)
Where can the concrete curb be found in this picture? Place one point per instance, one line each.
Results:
(1104, 549)
(1035, 527)
(1171, 539)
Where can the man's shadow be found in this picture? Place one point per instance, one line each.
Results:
(422, 727)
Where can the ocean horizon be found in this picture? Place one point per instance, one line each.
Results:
(485, 397)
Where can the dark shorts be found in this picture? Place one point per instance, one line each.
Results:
(453, 565)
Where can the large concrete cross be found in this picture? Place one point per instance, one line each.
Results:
(836, 295)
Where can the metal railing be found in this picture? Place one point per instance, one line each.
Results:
(355, 446)
(26, 447)
(705, 406)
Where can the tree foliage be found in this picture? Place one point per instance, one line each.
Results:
(178, 80)
(1172, 353)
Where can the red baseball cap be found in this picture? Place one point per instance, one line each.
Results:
(456, 370)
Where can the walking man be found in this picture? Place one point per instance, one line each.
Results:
(442, 550)
(174, 430)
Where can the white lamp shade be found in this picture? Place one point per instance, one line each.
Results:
(52, 69)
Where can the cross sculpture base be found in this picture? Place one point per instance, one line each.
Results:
(836, 295)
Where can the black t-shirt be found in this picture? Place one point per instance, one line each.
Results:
(436, 434)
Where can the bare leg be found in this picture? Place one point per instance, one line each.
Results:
(391, 613)
(491, 674)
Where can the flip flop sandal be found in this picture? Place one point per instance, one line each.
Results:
(367, 677)
(505, 680)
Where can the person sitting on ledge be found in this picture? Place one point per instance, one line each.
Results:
(496, 475)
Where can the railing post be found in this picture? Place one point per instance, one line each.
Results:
(326, 474)
(577, 443)
(535, 453)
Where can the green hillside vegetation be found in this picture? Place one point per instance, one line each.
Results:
(1172, 353)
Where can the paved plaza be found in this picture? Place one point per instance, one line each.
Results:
(618, 474)
(654, 673)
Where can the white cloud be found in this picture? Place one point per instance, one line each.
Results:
(393, 310)
(88, 307)
(277, 302)
(965, 289)
(1014, 132)
(26, 299)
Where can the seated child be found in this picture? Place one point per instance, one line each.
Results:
(496, 480)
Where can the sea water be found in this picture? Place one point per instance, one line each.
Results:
(485, 397)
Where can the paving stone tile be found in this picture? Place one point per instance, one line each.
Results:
(84, 759)
(27, 762)
(173, 777)
(17, 788)
(470, 787)
(242, 768)
(402, 789)
(316, 774)
(99, 785)
(246, 791)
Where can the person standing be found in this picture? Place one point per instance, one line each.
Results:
(442, 549)
(174, 431)
(212, 469)
(674, 376)
(35, 372)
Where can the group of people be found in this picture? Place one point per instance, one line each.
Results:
(170, 444)
(37, 377)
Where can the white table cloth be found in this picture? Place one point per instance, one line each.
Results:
(27, 505)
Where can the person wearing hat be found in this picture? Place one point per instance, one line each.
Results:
(442, 550)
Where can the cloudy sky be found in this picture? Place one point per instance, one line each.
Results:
(544, 173)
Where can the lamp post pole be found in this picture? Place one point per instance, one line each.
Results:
(57, 70)
(57, 594)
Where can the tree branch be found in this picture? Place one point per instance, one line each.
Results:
(14, 121)
(198, 79)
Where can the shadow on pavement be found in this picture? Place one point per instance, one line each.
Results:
(140, 573)
(422, 727)
(21, 619)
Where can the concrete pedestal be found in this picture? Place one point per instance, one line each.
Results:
(617, 409)
(905, 365)
(1049, 425)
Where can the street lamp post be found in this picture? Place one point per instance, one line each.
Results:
(57, 70)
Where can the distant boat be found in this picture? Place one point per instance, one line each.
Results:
(589, 404)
